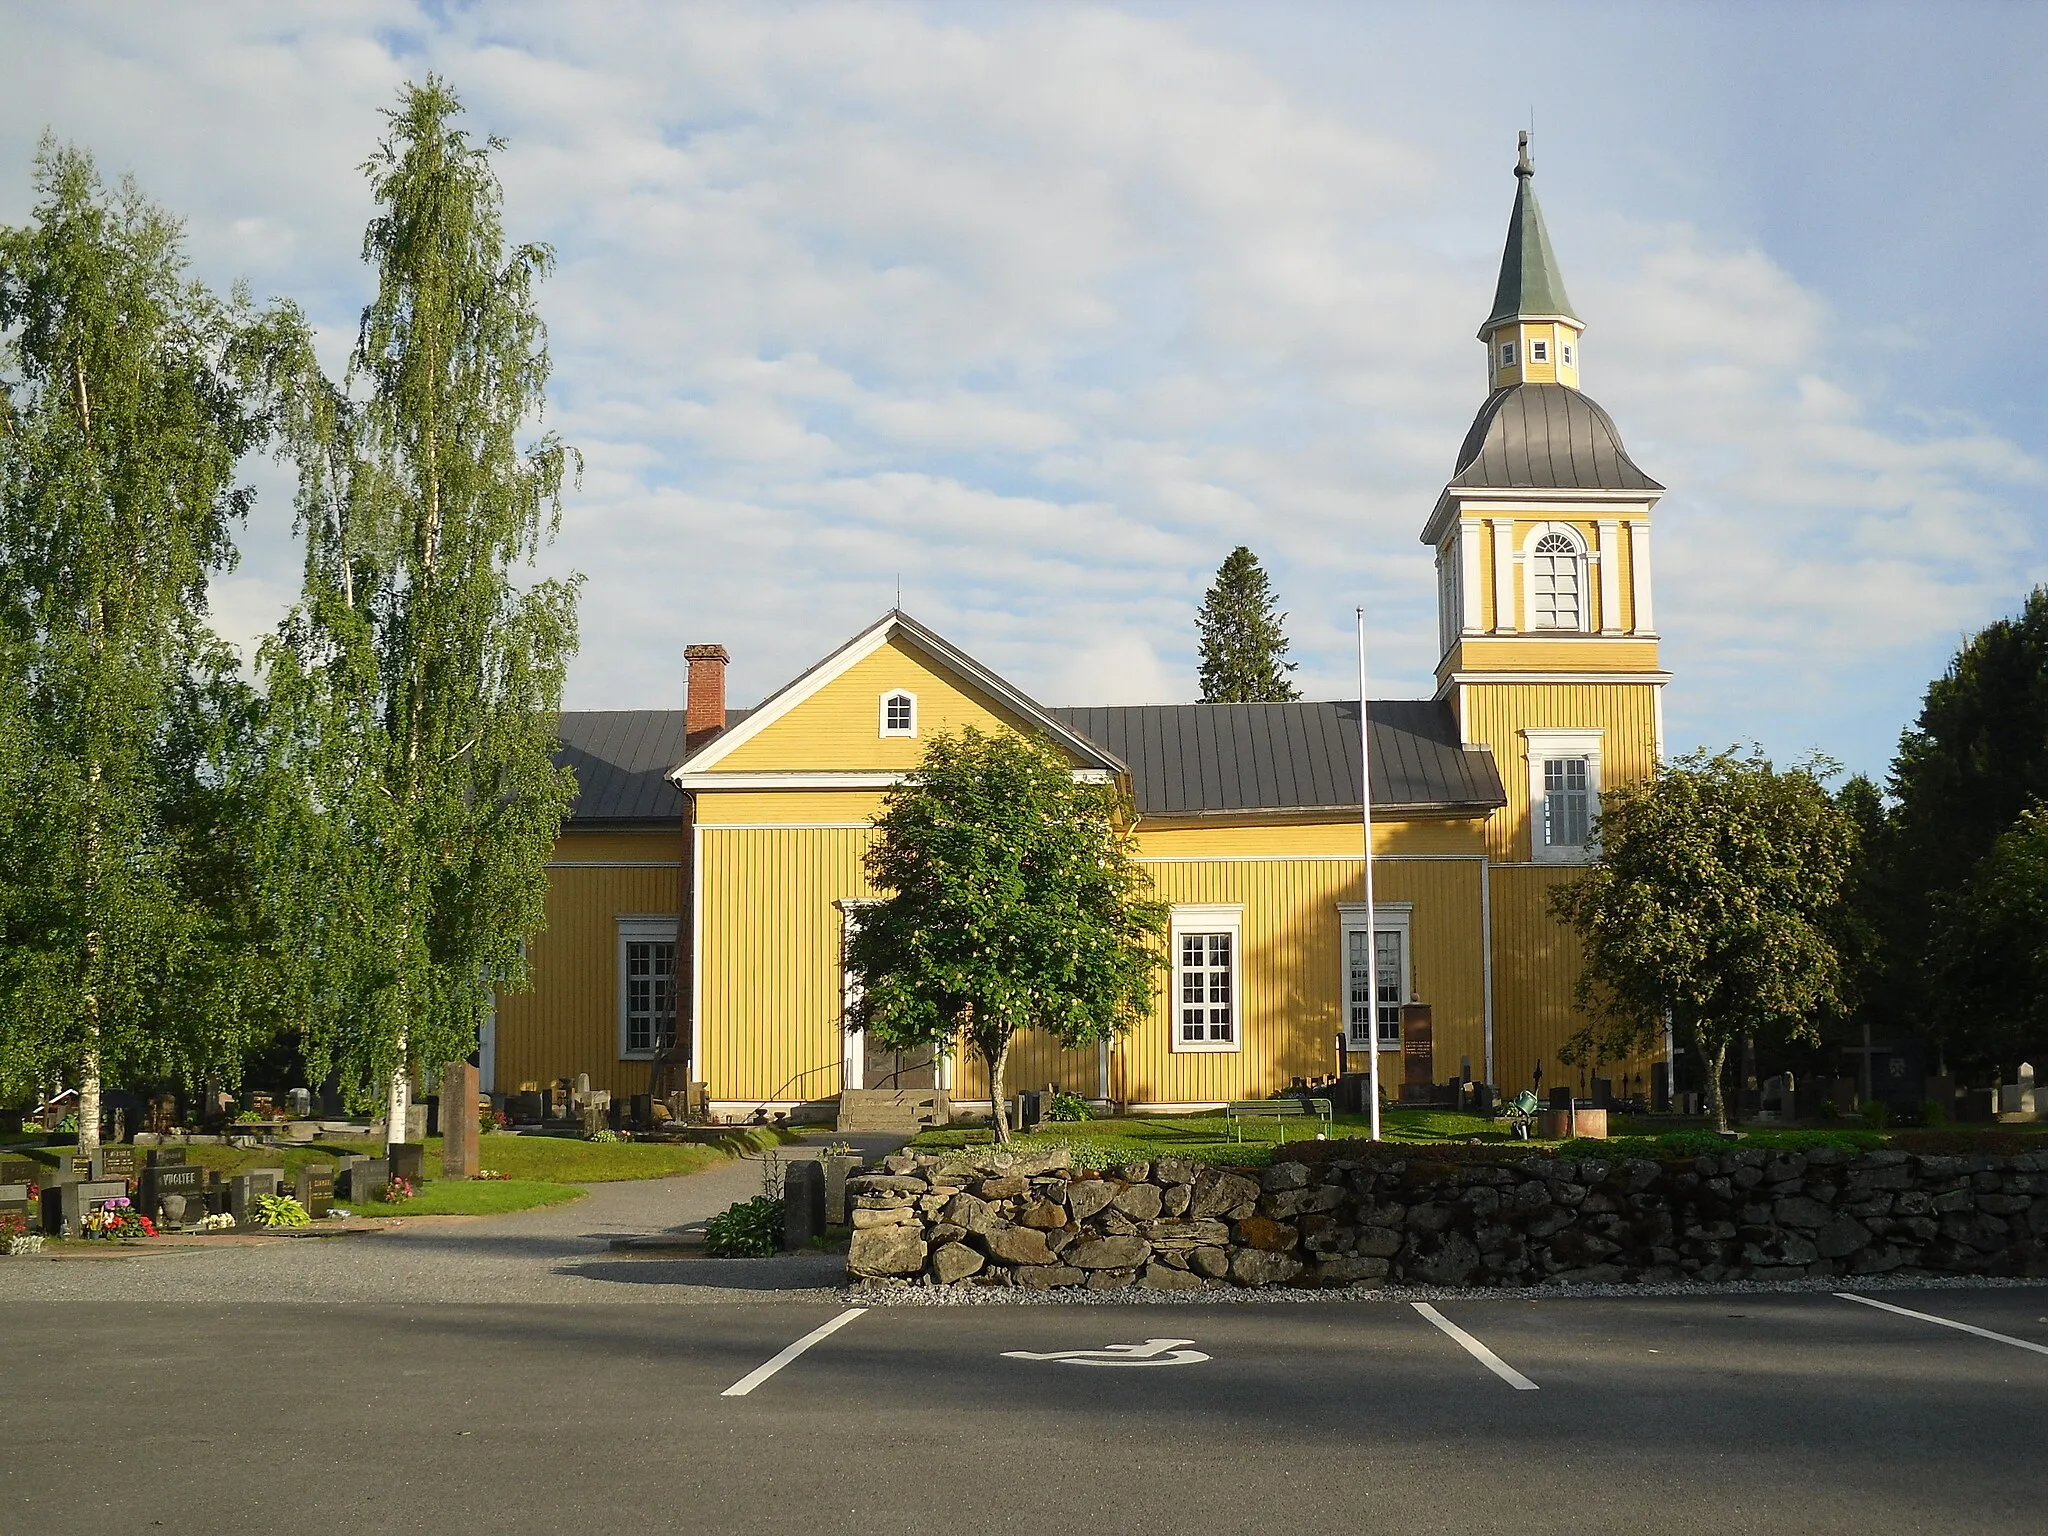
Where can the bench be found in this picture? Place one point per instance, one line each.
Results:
(1276, 1110)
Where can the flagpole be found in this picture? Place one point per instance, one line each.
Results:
(1372, 938)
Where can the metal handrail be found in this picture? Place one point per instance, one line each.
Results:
(830, 1066)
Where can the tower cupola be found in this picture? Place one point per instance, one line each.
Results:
(1532, 335)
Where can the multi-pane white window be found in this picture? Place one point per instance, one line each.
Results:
(1564, 353)
(899, 713)
(1556, 601)
(1507, 354)
(647, 985)
(1450, 600)
(1564, 793)
(1567, 802)
(1389, 938)
(1206, 983)
(1539, 351)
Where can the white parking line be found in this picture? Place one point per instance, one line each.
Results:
(1946, 1322)
(1477, 1350)
(761, 1373)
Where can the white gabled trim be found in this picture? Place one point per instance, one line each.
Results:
(859, 648)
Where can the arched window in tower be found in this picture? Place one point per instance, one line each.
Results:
(1557, 598)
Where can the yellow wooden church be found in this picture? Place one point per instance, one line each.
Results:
(702, 891)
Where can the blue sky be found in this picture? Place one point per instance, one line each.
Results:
(1042, 309)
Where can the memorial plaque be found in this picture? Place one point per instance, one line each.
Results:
(1418, 1046)
(409, 1162)
(316, 1189)
(167, 1157)
(461, 1148)
(114, 1163)
(77, 1165)
(22, 1170)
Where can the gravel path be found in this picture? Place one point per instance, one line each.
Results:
(559, 1253)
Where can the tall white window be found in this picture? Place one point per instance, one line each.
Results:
(647, 985)
(1208, 960)
(899, 713)
(1564, 794)
(1555, 583)
(1363, 1014)
(1450, 599)
(1567, 802)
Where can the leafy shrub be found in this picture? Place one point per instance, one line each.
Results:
(68, 1126)
(1876, 1115)
(1067, 1106)
(751, 1229)
(280, 1211)
(605, 1137)
(1934, 1115)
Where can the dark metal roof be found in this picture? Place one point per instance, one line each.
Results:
(622, 758)
(1530, 284)
(1547, 436)
(1195, 759)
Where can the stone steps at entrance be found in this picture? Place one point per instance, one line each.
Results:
(902, 1111)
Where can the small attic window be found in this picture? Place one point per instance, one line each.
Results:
(899, 713)
(1539, 351)
(1507, 354)
(1564, 353)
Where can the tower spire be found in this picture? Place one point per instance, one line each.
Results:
(1532, 333)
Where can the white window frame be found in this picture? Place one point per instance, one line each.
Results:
(645, 928)
(1387, 917)
(1546, 745)
(854, 1063)
(1539, 351)
(1527, 559)
(1564, 355)
(1208, 919)
(882, 713)
(1507, 354)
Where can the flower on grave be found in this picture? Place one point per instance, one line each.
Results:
(397, 1190)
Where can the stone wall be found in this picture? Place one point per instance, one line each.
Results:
(1030, 1220)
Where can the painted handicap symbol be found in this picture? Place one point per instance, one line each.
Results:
(1151, 1352)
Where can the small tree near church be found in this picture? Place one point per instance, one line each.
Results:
(1717, 900)
(1244, 647)
(1012, 902)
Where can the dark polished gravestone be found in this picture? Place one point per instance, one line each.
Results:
(366, 1178)
(114, 1163)
(65, 1206)
(316, 1190)
(23, 1170)
(175, 1193)
(409, 1162)
(244, 1188)
(803, 1205)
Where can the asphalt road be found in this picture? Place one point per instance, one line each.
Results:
(1711, 1414)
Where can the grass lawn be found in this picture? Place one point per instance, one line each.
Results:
(1207, 1138)
(472, 1197)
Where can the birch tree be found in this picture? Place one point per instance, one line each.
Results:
(415, 686)
(128, 394)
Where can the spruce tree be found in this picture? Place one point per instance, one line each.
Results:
(415, 687)
(128, 396)
(1244, 648)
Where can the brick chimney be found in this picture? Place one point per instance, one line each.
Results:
(704, 716)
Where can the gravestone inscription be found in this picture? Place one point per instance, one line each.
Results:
(114, 1163)
(175, 1192)
(22, 1170)
(167, 1157)
(316, 1190)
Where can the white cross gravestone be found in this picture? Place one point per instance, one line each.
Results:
(1151, 1352)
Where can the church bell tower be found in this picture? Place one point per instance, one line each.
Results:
(1542, 538)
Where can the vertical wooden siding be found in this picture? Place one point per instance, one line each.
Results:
(1536, 963)
(568, 1022)
(1497, 714)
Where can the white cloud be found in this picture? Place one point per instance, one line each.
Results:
(1042, 314)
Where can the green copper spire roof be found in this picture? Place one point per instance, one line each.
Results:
(1529, 280)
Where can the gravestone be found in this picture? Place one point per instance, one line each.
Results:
(596, 1111)
(114, 1163)
(415, 1122)
(528, 1108)
(803, 1205)
(461, 1138)
(19, 1215)
(408, 1162)
(1418, 1052)
(640, 1111)
(22, 1170)
(316, 1190)
(76, 1165)
(167, 1157)
(367, 1177)
(67, 1205)
(302, 1102)
(839, 1167)
(175, 1193)
(12, 1121)
(2017, 1099)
